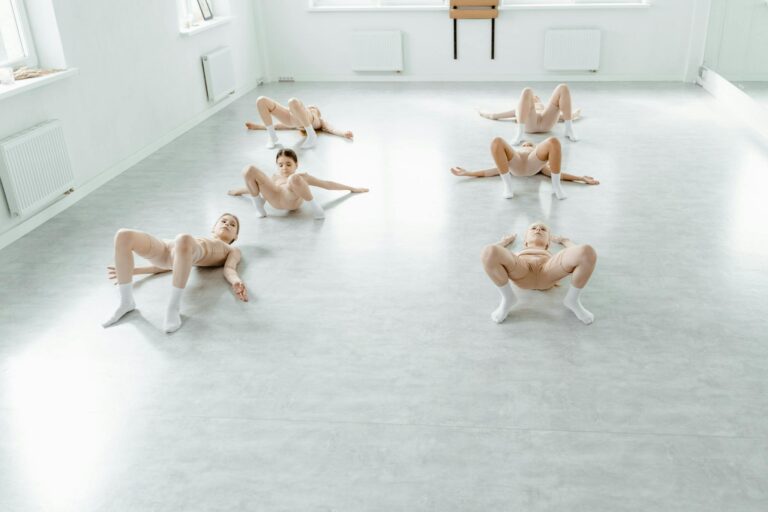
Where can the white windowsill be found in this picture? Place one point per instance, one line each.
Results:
(519, 7)
(20, 86)
(205, 25)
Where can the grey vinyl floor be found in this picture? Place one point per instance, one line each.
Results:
(365, 373)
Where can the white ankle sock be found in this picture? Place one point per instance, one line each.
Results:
(508, 300)
(173, 313)
(317, 210)
(258, 202)
(519, 136)
(127, 304)
(572, 301)
(569, 131)
(311, 139)
(556, 188)
(273, 141)
(506, 179)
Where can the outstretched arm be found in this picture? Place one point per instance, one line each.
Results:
(481, 173)
(277, 126)
(334, 131)
(507, 240)
(230, 274)
(331, 185)
(564, 176)
(557, 239)
(112, 273)
(495, 116)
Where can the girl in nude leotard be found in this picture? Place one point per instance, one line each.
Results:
(545, 157)
(533, 117)
(294, 116)
(286, 190)
(534, 268)
(178, 255)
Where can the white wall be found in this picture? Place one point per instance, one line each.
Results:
(139, 80)
(653, 43)
(737, 39)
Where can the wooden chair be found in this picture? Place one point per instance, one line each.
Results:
(474, 10)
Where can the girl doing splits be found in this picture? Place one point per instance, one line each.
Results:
(546, 158)
(534, 268)
(178, 255)
(295, 116)
(286, 190)
(533, 117)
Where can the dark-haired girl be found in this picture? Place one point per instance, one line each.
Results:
(286, 189)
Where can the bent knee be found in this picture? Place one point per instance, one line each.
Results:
(561, 87)
(261, 100)
(554, 142)
(124, 237)
(294, 102)
(250, 171)
(296, 180)
(497, 143)
(490, 254)
(527, 92)
(185, 243)
(588, 253)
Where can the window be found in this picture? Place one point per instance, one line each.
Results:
(572, 2)
(15, 42)
(378, 3)
(437, 4)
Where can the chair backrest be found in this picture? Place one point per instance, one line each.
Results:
(474, 9)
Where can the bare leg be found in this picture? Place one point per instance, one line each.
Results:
(269, 108)
(128, 241)
(579, 261)
(501, 266)
(299, 186)
(260, 187)
(561, 100)
(304, 117)
(526, 112)
(551, 151)
(183, 254)
(502, 153)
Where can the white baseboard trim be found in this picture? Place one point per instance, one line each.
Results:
(591, 77)
(82, 190)
(739, 101)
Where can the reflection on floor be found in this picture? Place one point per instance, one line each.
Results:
(365, 374)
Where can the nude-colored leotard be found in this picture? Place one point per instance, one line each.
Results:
(525, 163)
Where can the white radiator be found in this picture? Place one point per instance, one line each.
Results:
(219, 74)
(572, 50)
(377, 50)
(35, 168)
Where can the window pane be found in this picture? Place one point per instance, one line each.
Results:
(11, 46)
(415, 3)
(344, 3)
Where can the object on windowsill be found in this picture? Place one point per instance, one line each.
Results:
(205, 9)
(24, 73)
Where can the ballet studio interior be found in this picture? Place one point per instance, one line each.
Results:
(384, 255)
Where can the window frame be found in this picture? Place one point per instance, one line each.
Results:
(25, 34)
(504, 5)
